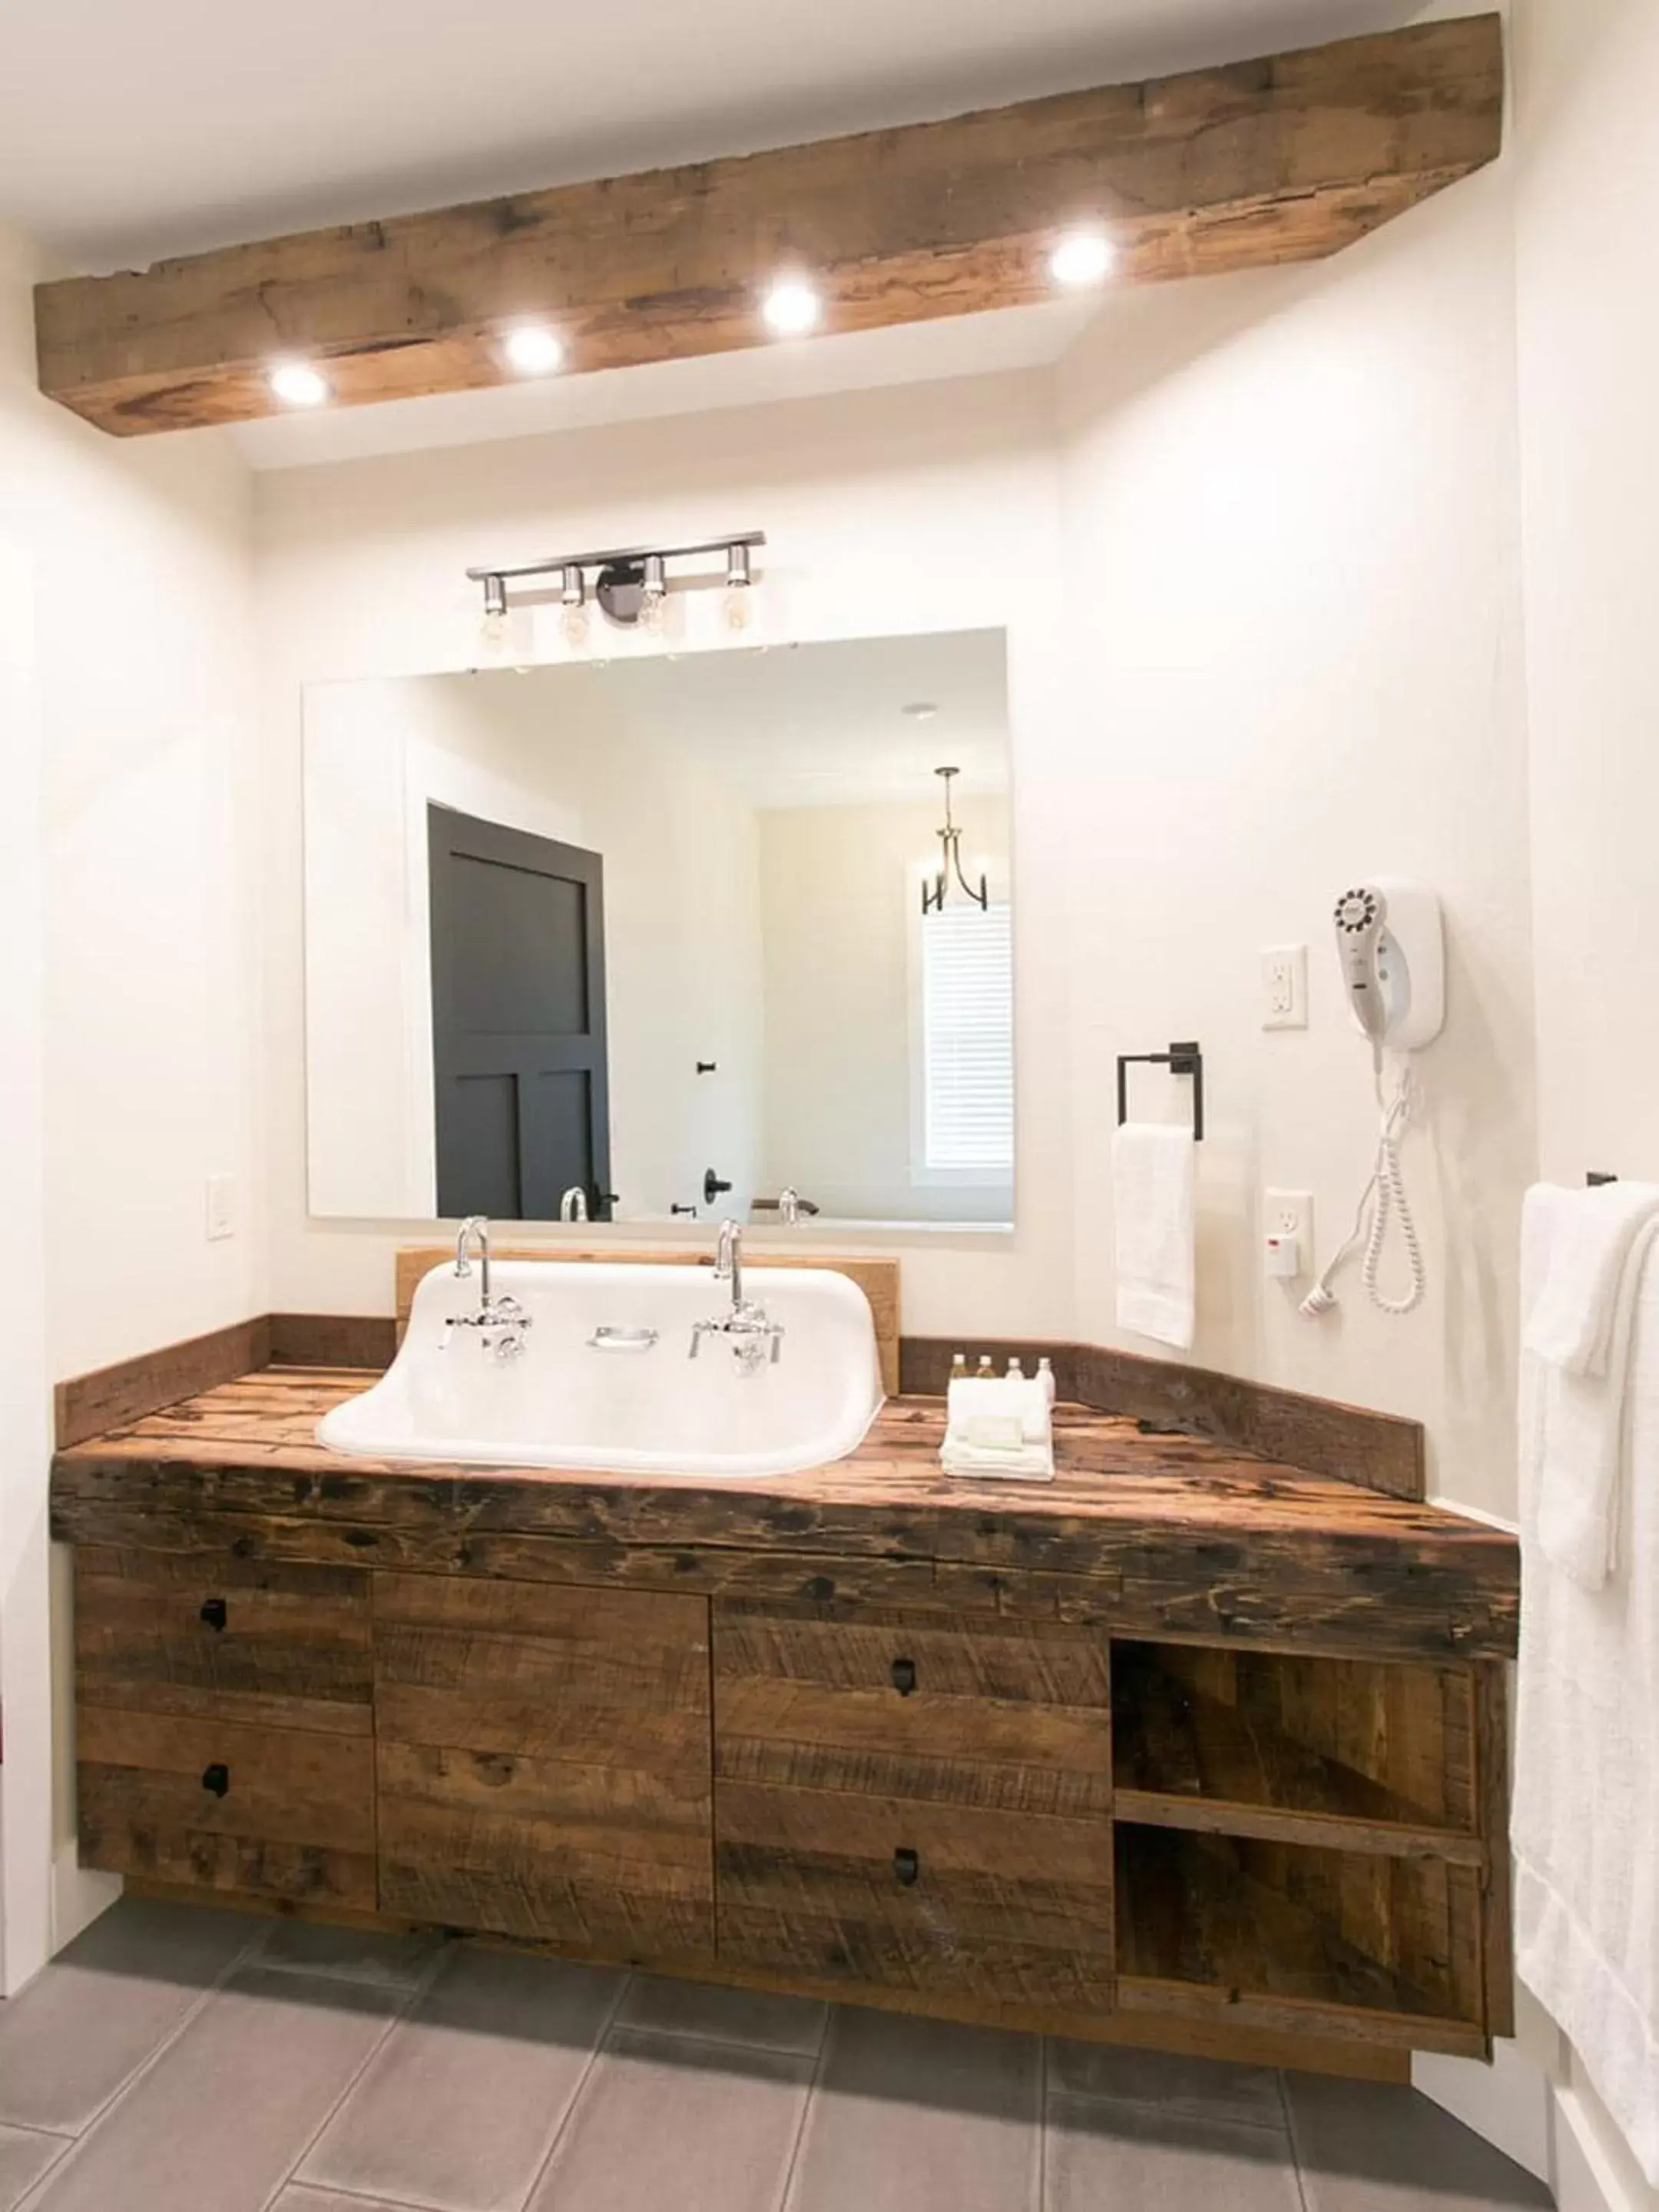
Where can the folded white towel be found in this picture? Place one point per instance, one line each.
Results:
(1573, 1424)
(1152, 1179)
(1587, 1746)
(1587, 1289)
(1030, 1463)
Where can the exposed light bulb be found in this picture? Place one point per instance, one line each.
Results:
(654, 600)
(791, 307)
(493, 628)
(1086, 257)
(533, 350)
(572, 597)
(739, 588)
(297, 384)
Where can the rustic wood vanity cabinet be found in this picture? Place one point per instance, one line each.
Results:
(1188, 1749)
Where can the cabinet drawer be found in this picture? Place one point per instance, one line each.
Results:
(214, 1637)
(1003, 1715)
(1008, 1908)
(543, 1762)
(222, 1805)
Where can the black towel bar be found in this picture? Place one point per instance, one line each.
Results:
(1180, 1059)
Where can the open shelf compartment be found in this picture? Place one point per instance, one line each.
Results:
(1353, 1754)
(1389, 1946)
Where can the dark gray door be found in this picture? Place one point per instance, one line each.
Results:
(518, 1020)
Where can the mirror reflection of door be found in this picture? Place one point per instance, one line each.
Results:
(518, 1021)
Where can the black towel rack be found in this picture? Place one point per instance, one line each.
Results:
(1180, 1059)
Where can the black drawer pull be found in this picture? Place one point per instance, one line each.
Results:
(907, 1865)
(904, 1676)
(216, 1778)
(215, 1613)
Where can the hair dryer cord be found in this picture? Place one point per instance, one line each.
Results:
(1384, 1199)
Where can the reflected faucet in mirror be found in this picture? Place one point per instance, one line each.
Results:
(573, 1206)
(501, 1322)
(789, 1206)
(753, 1337)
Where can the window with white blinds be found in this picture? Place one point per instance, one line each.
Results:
(967, 1041)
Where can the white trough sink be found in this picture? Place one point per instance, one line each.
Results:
(604, 1378)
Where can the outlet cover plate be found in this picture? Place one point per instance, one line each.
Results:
(1284, 987)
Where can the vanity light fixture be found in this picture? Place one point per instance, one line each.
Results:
(950, 859)
(630, 584)
(791, 307)
(1081, 258)
(297, 384)
(532, 349)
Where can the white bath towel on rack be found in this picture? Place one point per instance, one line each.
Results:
(1579, 1329)
(1587, 1735)
(1153, 1175)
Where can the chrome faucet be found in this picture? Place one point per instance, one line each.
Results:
(501, 1322)
(753, 1338)
(728, 1260)
(572, 1206)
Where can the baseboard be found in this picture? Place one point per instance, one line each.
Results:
(1589, 2176)
(1507, 2104)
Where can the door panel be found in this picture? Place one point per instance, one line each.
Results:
(519, 1020)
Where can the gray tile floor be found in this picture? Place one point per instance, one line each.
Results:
(178, 2057)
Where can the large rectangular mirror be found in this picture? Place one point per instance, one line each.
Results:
(659, 939)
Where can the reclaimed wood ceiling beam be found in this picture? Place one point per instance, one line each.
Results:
(1285, 159)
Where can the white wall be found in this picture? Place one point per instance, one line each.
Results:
(1587, 164)
(841, 894)
(128, 977)
(1290, 501)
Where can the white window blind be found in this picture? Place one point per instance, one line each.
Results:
(968, 1041)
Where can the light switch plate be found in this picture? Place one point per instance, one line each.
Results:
(1284, 987)
(221, 1207)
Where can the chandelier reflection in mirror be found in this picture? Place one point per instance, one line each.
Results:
(950, 859)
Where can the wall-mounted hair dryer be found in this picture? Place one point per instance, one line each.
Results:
(1391, 947)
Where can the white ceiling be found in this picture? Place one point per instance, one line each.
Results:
(807, 725)
(128, 132)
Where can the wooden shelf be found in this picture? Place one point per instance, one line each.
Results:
(1389, 1946)
(1339, 1755)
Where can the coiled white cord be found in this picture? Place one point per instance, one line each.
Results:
(1382, 1199)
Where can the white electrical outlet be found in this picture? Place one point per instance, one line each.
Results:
(221, 1207)
(1285, 987)
(1288, 1215)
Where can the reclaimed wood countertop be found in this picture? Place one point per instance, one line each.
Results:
(1156, 1534)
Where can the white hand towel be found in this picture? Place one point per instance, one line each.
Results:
(1026, 1463)
(1152, 1180)
(1574, 1425)
(1587, 1746)
(1577, 1312)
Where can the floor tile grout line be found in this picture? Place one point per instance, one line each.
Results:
(1043, 2124)
(395, 2019)
(700, 2041)
(1290, 2133)
(832, 2016)
(601, 2037)
(380, 2202)
(65, 2146)
(146, 2065)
